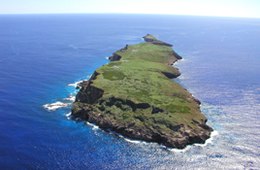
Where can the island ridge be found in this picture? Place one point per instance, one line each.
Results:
(136, 96)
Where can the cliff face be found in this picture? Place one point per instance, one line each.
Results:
(134, 95)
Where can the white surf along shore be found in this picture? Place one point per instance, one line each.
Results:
(67, 102)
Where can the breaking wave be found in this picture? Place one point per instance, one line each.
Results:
(55, 106)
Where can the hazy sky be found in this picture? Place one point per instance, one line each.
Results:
(239, 8)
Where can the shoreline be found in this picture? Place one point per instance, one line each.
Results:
(109, 100)
(69, 116)
(141, 142)
(129, 140)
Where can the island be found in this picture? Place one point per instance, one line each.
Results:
(135, 95)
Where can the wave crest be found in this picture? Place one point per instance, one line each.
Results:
(55, 106)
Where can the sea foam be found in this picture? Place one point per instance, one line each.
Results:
(68, 115)
(94, 127)
(208, 141)
(75, 84)
(55, 106)
(70, 98)
(139, 142)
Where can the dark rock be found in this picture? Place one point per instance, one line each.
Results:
(171, 75)
(115, 57)
(89, 94)
(156, 110)
(197, 100)
(149, 38)
(176, 55)
(124, 49)
(81, 84)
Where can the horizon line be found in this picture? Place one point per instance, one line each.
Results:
(106, 13)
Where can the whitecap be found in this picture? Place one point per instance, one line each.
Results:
(131, 141)
(68, 115)
(208, 141)
(55, 106)
(94, 127)
(179, 150)
(70, 98)
(75, 84)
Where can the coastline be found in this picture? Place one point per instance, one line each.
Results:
(140, 142)
(129, 140)
(93, 99)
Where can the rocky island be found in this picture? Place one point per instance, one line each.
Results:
(135, 96)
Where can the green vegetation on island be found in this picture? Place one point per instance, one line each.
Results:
(134, 95)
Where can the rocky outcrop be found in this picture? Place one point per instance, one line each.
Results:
(176, 55)
(115, 57)
(179, 137)
(88, 93)
(171, 75)
(151, 39)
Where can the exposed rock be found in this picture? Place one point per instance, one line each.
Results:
(180, 137)
(115, 57)
(151, 39)
(171, 75)
(176, 55)
(81, 84)
(88, 93)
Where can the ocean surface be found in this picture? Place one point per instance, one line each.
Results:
(42, 56)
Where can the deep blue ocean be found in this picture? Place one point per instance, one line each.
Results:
(41, 56)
